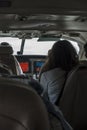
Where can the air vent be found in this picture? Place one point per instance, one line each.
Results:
(5, 3)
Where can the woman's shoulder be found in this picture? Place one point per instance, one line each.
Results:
(57, 72)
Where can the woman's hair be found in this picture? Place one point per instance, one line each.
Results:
(62, 55)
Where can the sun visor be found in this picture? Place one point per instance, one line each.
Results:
(47, 37)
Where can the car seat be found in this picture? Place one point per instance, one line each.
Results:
(73, 100)
(20, 107)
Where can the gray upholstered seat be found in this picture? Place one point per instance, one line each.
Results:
(20, 107)
(73, 102)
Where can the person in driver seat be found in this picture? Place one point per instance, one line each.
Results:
(8, 58)
(61, 59)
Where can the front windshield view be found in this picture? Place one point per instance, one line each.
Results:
(32, 46)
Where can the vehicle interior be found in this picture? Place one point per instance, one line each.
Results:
(30, 24)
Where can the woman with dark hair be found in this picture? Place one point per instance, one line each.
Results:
(61, 59)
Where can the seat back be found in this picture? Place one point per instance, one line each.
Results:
(20, 107)
(73, 101)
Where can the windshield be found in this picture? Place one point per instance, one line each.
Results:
(14, 42)
(32, 46)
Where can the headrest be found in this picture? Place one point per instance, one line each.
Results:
(5, 48)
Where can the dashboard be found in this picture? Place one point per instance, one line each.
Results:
(30, 64)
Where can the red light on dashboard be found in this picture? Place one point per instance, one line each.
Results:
(24, 66)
